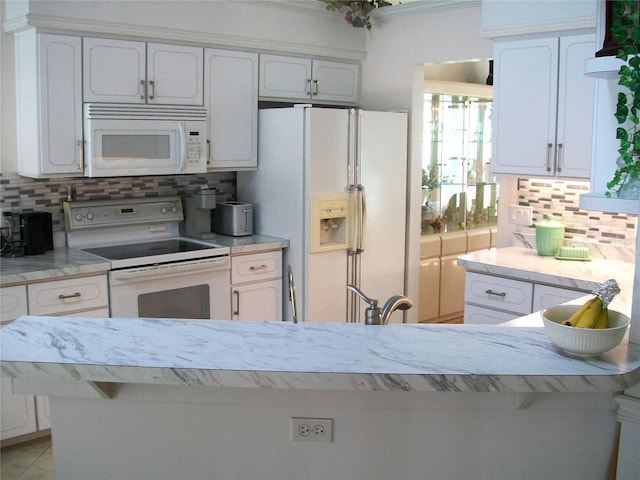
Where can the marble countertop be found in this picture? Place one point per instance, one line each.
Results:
(454, 358)
(525, 264)
(250, 243)
(53, 264)
(65, 262)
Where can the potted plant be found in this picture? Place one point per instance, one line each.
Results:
(626, 31)
(356, 12)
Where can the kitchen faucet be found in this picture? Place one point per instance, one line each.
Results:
(376, 316)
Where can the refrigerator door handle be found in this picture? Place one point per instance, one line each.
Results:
(359, 218)
(362, 218)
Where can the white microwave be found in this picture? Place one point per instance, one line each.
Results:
(123, 140)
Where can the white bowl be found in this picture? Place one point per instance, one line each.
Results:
(584, 342)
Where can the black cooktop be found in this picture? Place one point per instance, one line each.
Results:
(147, 249)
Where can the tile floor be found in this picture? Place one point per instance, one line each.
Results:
(31, 461)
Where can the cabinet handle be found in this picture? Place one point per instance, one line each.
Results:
(209, 160)
(497, 294)
(309, 86)
(236, 294)
(316, 83)
(80, 145)
(73, 295)
(144, 89)
(253, 268)
(549, 150)
(559, 155)
(152, 93)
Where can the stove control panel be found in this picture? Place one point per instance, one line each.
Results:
(110, 213)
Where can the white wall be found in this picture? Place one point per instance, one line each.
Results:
(392, 77)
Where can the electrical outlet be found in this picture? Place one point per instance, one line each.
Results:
(311, 429)
(520, 215)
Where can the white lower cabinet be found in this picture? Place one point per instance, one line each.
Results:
(18, 412)
(491, 299)
(81, 297)
(256, 286)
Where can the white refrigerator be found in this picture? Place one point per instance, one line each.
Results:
(333, 182)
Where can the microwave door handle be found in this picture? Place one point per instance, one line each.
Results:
(183, 146)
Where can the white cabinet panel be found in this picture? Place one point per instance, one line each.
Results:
(174, 74)
(49, 104)
(63, 296)
(256, 290)
(285, 77)
(499, 293)
(475, 315)
(231, 98)
(296, 78)
(333, 81)
(543, 107)
(17, 412)
(258, 301)
(545, 296)
(114, 71)
(122, 71)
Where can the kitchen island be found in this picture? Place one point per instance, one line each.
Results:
(148, 398)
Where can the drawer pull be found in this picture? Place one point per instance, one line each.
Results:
(253, 268)
(497, 294)
(236, 294)
(73, 295)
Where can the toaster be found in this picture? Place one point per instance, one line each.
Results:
(233, 218)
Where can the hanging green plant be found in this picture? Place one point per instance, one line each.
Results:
(356, 12)
(625, 29)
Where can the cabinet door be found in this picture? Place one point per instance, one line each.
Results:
(48, 104)
(114, 71)
(335, 81)
(524, 111)
(68, 295)
(475, 315)
(258, 301)
(231, 98)
(545, 296)
(452, 279)
(285, 77)
(498, 293)
(575, 107)
(174, 74)
(17, 412)
(60, 104)
(429, 289)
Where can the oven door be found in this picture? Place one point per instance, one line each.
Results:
(197, 289)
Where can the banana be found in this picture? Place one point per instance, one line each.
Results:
(573, 319)
(603, 319)
(590, 316)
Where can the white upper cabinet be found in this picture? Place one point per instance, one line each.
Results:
(49, 104)
(231, 98)
(294, 78)
(121, 71)
(543, 107)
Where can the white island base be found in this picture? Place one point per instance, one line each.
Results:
(169, 432)
(182, 399)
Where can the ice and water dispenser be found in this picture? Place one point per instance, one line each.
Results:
(330, 222)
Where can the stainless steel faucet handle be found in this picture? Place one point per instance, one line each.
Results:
(373, 303)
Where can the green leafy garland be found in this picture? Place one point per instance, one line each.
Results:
(356, 12)
(626, 31)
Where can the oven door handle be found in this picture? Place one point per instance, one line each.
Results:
(168, 270)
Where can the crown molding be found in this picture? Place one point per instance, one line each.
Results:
(423, 6)
(569, 24)
(88, 27)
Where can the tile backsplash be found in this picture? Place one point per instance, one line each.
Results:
(560, 198)
(22, 194)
